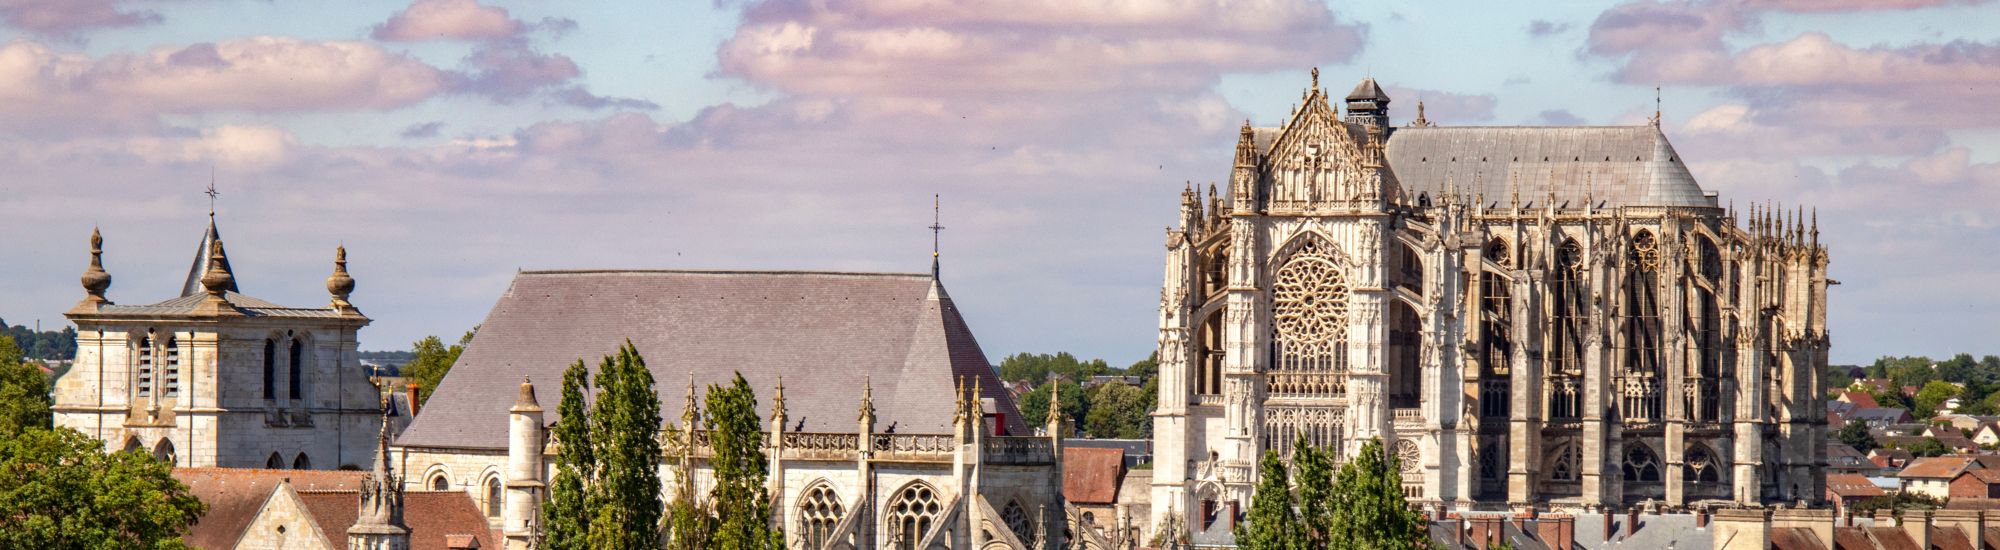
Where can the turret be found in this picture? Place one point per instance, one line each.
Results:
(522, 507)
(1243, 178)
(1368, 105)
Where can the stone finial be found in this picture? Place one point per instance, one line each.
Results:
(778, 403)
(218, 278)
(95, 279)
(339, 284)
(867, 402)
(692, 411)
(526, 402)
(1055, 416)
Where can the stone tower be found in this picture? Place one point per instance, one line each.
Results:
(379, 524)
(214, 377)
(523, 508)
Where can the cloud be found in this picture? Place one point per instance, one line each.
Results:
(422, 130)
(1540, 28)
(65, 18)
(1559, 117)
(1733, 130)
(257, 74)
(447, 19)
(895, 47)
(1446, 107)
(1853, 5)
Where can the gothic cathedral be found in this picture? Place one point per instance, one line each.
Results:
(1526, 316)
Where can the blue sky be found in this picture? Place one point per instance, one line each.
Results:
(448, 143)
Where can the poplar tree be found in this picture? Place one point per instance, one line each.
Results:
(741, 469)
(1369, 509)
(1272, 524)
(624, 501)
(1316, 496)
(566, 516)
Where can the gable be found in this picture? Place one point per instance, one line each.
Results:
(285, 522)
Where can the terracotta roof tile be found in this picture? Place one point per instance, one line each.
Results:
(1851, 538)
(1950, 538)
(432, 516)
(1859, 399)
(1940, 467)
(1795, 538)
(1090, 476)
(235, 495)
(824, 330)
(1892, 538)
(1852, 486)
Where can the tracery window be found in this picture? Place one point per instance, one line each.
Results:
(820, 511)
(1495, 335)
(1321, 427)
(1567, 464)
(270, 368)
(1640, 391)
(1703, 399)
(164, 451)
(1567, 318)
(1641, 464)
(1208, 357)
(1309, 316)
(1701, 466)
(173, 371)
(911, 514)
(1018, 522)
(144, 380)
(1409, 458)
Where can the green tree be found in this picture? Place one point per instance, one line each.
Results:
(1928, 447)
(63, 492)
(1272, 523)
(433, 360)
(625, 500)
(24, 392)
(690, 523)
(1035, 405)
(1369, 509)
(1934, 394)
(566, 517)
(1856, 435)
(1119, 411)
(741, 469)
(1316, 496)
(1145, 368)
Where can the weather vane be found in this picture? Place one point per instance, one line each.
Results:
(211, 192)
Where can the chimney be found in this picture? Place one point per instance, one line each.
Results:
(1556, 530)
(1918, 527)
(1631, 521)
(1701, 519)
(413, 400)
(1459, 529)
(1607, 523)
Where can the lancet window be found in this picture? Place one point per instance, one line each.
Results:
(910, 515)
(1018, 522)
(1495, 334)
(298, 362)
(172, 376)
(820, 511)
(1568, 320)
(1701, 466)
(1640, 390)
(270, 368)
(144, 380)
(164, 451)
(1703, 397)
(1208, 357)
(1309, 318)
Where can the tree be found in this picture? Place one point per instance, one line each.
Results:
(1119, 411)
(1145, 368)
(1928, 447)
(433, 359)
(741, 469)
(1316, 496)
(1272, 524)
(24, 392)
(64, 492)
(1369, 509)
(624, 500)
(1035, 405)
(1855, 434)
(1934, 394)
(566, 517)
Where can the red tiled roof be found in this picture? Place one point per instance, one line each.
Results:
(1795, 538)
(1950, 538)
(1941, 467)
(1989, 477)
(432, 516)
(235, 495)
(1851, 537)
(1893, 539)
(1859, 399)
(1852, 486)
(1090, 476)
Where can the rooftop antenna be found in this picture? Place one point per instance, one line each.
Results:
(936, 229)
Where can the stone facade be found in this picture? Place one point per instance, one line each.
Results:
(215, 377)
(1552, 317)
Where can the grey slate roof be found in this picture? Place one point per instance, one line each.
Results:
(822, 331)
(1616, 165)
(249, 305)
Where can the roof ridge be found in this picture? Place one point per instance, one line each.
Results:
(722, 272)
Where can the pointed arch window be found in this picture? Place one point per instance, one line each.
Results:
(301, 462)
(1018, 522)
(143, 382)
(297, 381)
(1309, 296)
(911, 514)
(440, 483)
(1703, 400)
(1640, 390)
(1641, 464)
(1702, 467)
(1496, 327)
(1567, 322)
(493, 497)
(820, 512)
(165, 452)
(172, 376)
(270, 368)
(276, 462)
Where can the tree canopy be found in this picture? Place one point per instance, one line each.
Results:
(1855, 434)
(64, 492)
(742, 504)
(566, 516)
(24, 392)
(1116, 410)
(46, 345)
(625, 499)
(432, 361)
(1361, 507)
(1035, 405)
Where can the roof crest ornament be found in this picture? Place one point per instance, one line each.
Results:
(936, 231)
(867, 403)
(95, 279)
(1656, 107)
(340, 284)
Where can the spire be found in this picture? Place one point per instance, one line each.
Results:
(1055, 416)
(339, 284)
(379, 523)
(936, 229)
(95, 279)
(203, 262)
(1246, 146)
(778, 404)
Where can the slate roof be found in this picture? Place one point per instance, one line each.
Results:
(250, 305)
(235, 495)
(1879, 415)
(1090, 476)
(1615, 165)
(433, 517)
(822, 331)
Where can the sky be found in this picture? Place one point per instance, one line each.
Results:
(449, 143)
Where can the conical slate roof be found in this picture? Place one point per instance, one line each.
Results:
(824, 332)
(192, 286)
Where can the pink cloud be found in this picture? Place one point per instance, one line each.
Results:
(1853, 5)
(447, 19)
(930, 49)
(67, 17)
(1733, 130)
(1444, 107)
